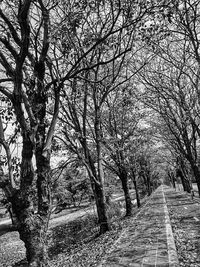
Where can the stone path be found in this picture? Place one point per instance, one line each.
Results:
(148, 241)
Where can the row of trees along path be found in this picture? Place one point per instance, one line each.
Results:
(84, 74)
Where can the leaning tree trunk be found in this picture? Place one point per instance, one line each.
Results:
(124, 179)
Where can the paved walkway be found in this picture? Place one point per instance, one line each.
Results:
(148, 241)
(185, 217)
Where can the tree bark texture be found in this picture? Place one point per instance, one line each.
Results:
(99, 196)
(101, 208)
(32, 226)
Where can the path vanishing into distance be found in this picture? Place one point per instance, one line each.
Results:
(148, 241)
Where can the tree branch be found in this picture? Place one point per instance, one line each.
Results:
(4, 62)
(10, 48)
(11, 28)
(8, 154)
(6, 92)
(53, 123)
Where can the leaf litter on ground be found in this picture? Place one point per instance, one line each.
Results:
(73, 244)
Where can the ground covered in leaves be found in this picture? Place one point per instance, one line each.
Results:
(85, 249)
(75, 243)
(185, 219)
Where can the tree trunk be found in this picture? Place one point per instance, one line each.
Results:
(197, 177)
(32, 227)
(136, 188)
(148, 184)
(33, 233)
(97, 188)
(172, 179)
(195, 170)
(124, 179)
(179, 173)
(101, 208)
(137, 193)
(98, 174)
(32, 230)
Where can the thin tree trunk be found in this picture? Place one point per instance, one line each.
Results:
(148, 184)
(124, 179)
(179, 173)
(137, 194)
(185, 175)
(197, 177)
(172, 179)
(98, 191)
(99, 187)
(136, 190)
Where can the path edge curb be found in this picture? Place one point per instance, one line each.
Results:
(172, 251)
